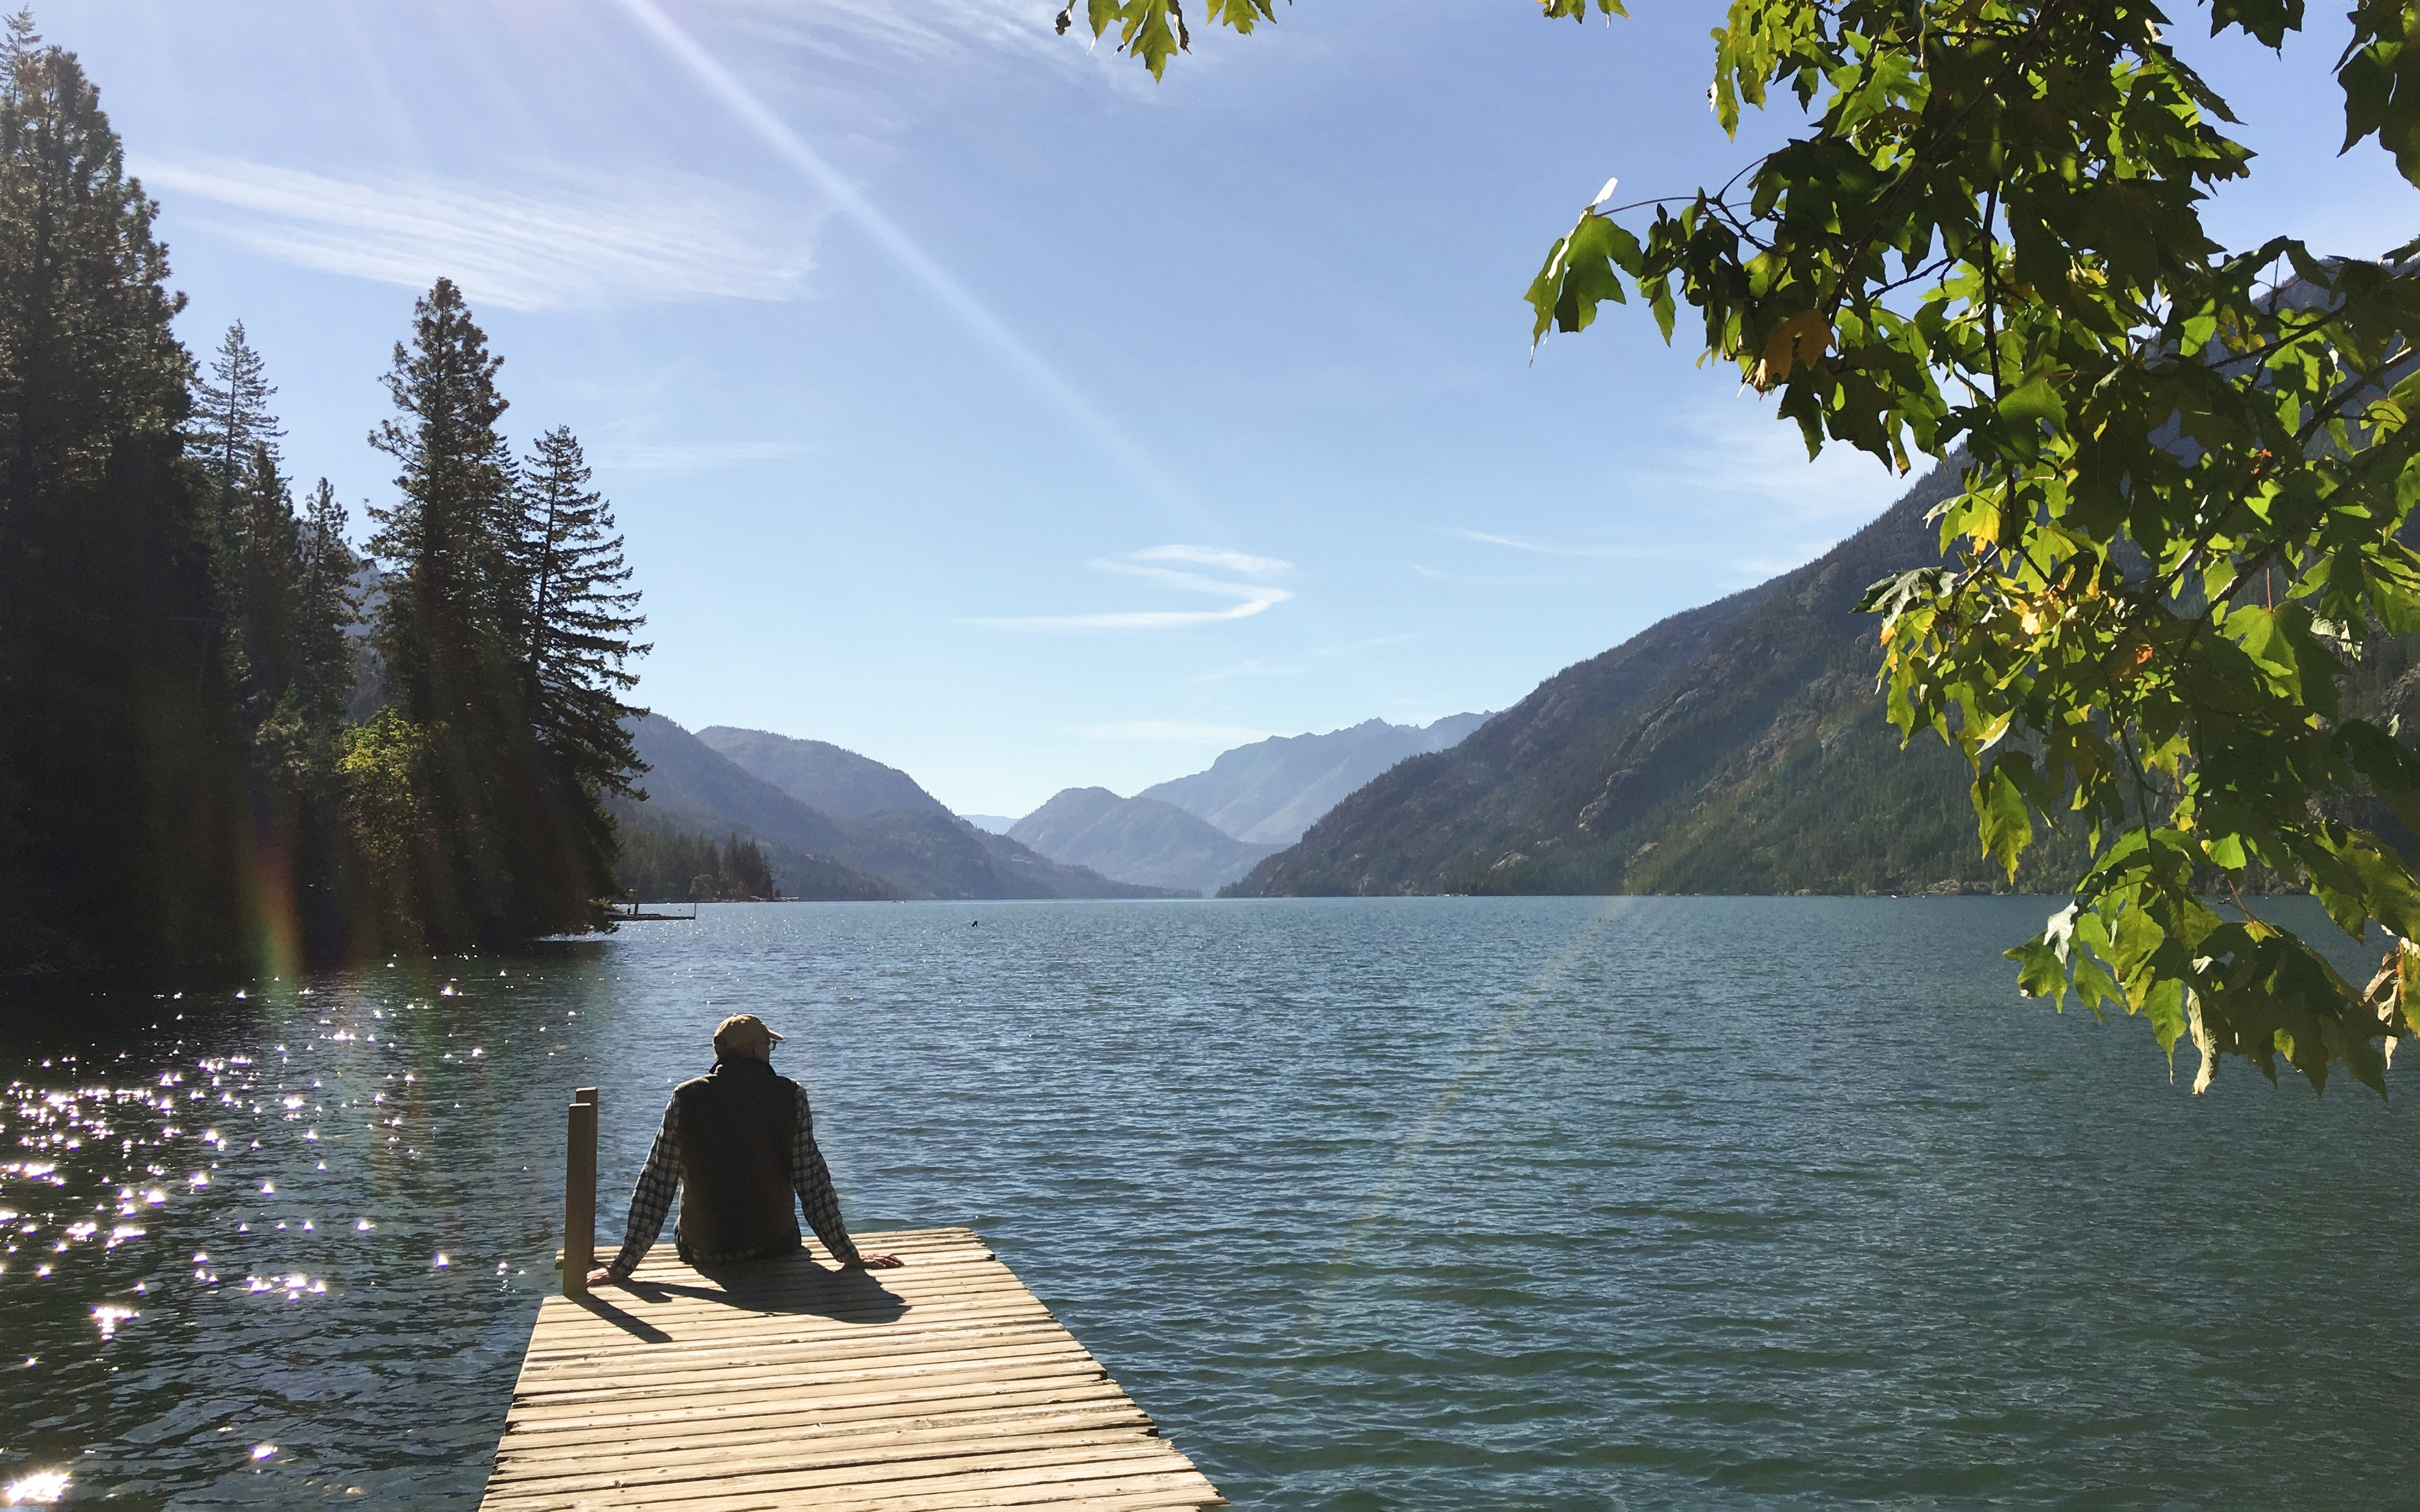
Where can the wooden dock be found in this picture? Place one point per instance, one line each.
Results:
(944, 1383)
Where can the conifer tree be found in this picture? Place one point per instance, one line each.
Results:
(745, 873)
(263, 586)
(284, 602)
(115, 749)
(443, 632)
(518, 843)
(231, 410)
(581, 615)
(254, 540)
(327, 606)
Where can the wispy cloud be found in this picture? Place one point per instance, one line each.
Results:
(904, 40)
(1211, 556)
(1249, 598)
(1177, 732)
(677, 458)
(1617, 554)
(852, 29)
(1733, 455)
(567, 241)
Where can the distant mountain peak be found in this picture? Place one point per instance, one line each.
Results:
(918, 848)
(1136, 840)
(1269, 792)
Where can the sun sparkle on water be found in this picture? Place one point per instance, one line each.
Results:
(40, 1488)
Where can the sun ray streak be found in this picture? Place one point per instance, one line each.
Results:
(1382, 1208)
(852, 202)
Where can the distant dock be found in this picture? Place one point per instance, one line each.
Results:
(941, 1384)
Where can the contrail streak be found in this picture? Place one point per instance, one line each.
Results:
(886, 234)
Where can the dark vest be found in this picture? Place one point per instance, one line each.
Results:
(737, 1123)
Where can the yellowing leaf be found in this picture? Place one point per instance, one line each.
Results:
(1783, 351)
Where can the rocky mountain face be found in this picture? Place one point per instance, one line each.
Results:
(1738, 748)
(1270, 791)
(1137, 840)
(922, 851)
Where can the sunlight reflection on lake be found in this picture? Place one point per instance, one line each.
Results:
(1550, 1202)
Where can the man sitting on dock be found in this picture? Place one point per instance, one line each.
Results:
(737, 1143)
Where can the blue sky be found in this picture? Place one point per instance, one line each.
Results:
(974, 403)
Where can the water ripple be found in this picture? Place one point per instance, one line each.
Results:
(1536, 1203)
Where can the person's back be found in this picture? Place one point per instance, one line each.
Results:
(737, 1144)
(737, 1122)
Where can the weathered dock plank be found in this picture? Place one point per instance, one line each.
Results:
(941, 1384)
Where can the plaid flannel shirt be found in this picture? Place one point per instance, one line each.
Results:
(652, 1198)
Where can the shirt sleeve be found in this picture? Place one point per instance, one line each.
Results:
(652, 1198)
(814, 1187)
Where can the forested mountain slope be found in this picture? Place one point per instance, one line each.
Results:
(819, 774)
(1739, 748)
(693, 790)
(916, 853)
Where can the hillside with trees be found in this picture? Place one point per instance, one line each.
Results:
(1737, 748)
(658, 866)
(821, 775)
(210, 747)
(921, 850)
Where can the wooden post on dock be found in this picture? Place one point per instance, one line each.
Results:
(580, 1193)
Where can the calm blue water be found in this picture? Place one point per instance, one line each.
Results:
(1418, 1203)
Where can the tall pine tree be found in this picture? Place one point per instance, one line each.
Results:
(282, 629)
(445, 627)
(443, 632)
(329, 606)
(263, 581)
(231, 411)
(503, 632)
(581, 614)
(118, 758)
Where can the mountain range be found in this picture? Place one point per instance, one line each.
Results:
(836, 824)
(915, 849)
(1137, 840)
(1270, 791)
(1737, 748)
(821, 775)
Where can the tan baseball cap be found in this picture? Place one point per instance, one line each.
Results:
(744, 1031)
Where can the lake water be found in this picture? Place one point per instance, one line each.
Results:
(1419, 1203)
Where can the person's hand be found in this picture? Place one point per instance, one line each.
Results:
(599, 1277)
(874, 1262)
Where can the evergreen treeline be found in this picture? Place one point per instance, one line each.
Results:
(661, 867)
(207, 747)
